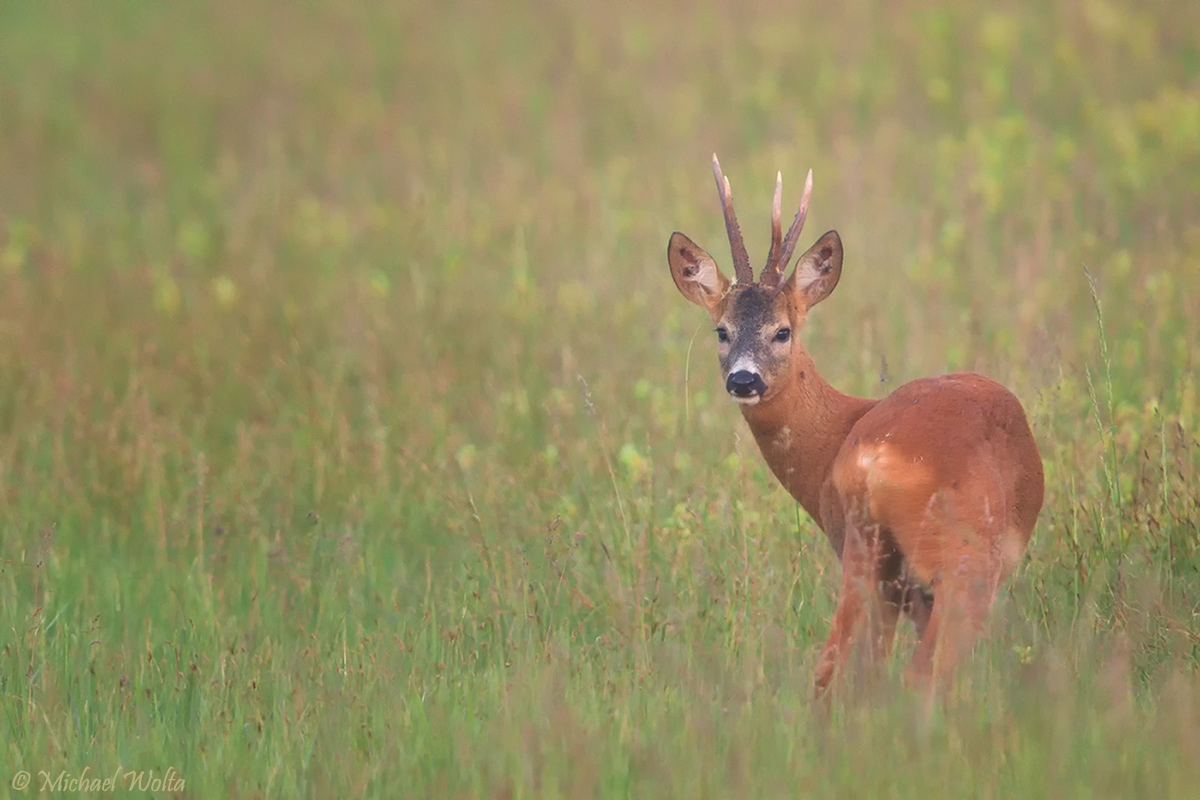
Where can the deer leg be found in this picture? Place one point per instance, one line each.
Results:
(964, 599)
(916, 603)
(865, 615)
(894, 591)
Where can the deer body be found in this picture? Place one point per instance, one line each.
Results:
(929, 496)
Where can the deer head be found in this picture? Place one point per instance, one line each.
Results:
(757, 322)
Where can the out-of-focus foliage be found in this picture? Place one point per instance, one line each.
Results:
(353, 435)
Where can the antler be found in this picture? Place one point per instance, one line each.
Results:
(741, 261)
(772, 274)
(776, 235)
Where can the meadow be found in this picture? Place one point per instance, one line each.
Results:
(354, 440)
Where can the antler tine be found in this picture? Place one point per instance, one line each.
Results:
(770, 274)
(741, 261)
(793, 234)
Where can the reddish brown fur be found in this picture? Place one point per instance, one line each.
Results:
(938, 485)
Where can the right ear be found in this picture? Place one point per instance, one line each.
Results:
(696, 273)
(817, 271)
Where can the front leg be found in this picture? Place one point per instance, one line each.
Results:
(915, 601)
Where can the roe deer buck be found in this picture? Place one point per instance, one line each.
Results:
(929, 496)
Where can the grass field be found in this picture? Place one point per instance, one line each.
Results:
(354, 440)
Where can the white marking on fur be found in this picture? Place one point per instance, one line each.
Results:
(744, 364)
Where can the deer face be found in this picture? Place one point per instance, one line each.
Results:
(754, 342)
(756, 323)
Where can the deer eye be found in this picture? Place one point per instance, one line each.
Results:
(783, 334)
(722, 335)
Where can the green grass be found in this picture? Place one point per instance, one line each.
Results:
(350, 445)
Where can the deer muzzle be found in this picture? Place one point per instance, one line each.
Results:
(745, 385)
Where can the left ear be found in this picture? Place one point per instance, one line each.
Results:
(696, 273)
(817, 271)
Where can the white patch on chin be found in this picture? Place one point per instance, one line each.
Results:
(752, 400)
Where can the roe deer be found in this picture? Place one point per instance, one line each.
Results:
(929, 496)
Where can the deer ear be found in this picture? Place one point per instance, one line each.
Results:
(818, 270)
(695, 272)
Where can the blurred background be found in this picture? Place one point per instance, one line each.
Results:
(323, 312)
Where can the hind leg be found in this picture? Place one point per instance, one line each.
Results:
(872, 596)
(965, 597)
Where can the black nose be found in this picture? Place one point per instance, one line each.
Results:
(745, 383)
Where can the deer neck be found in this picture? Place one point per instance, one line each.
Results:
(801, 429)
